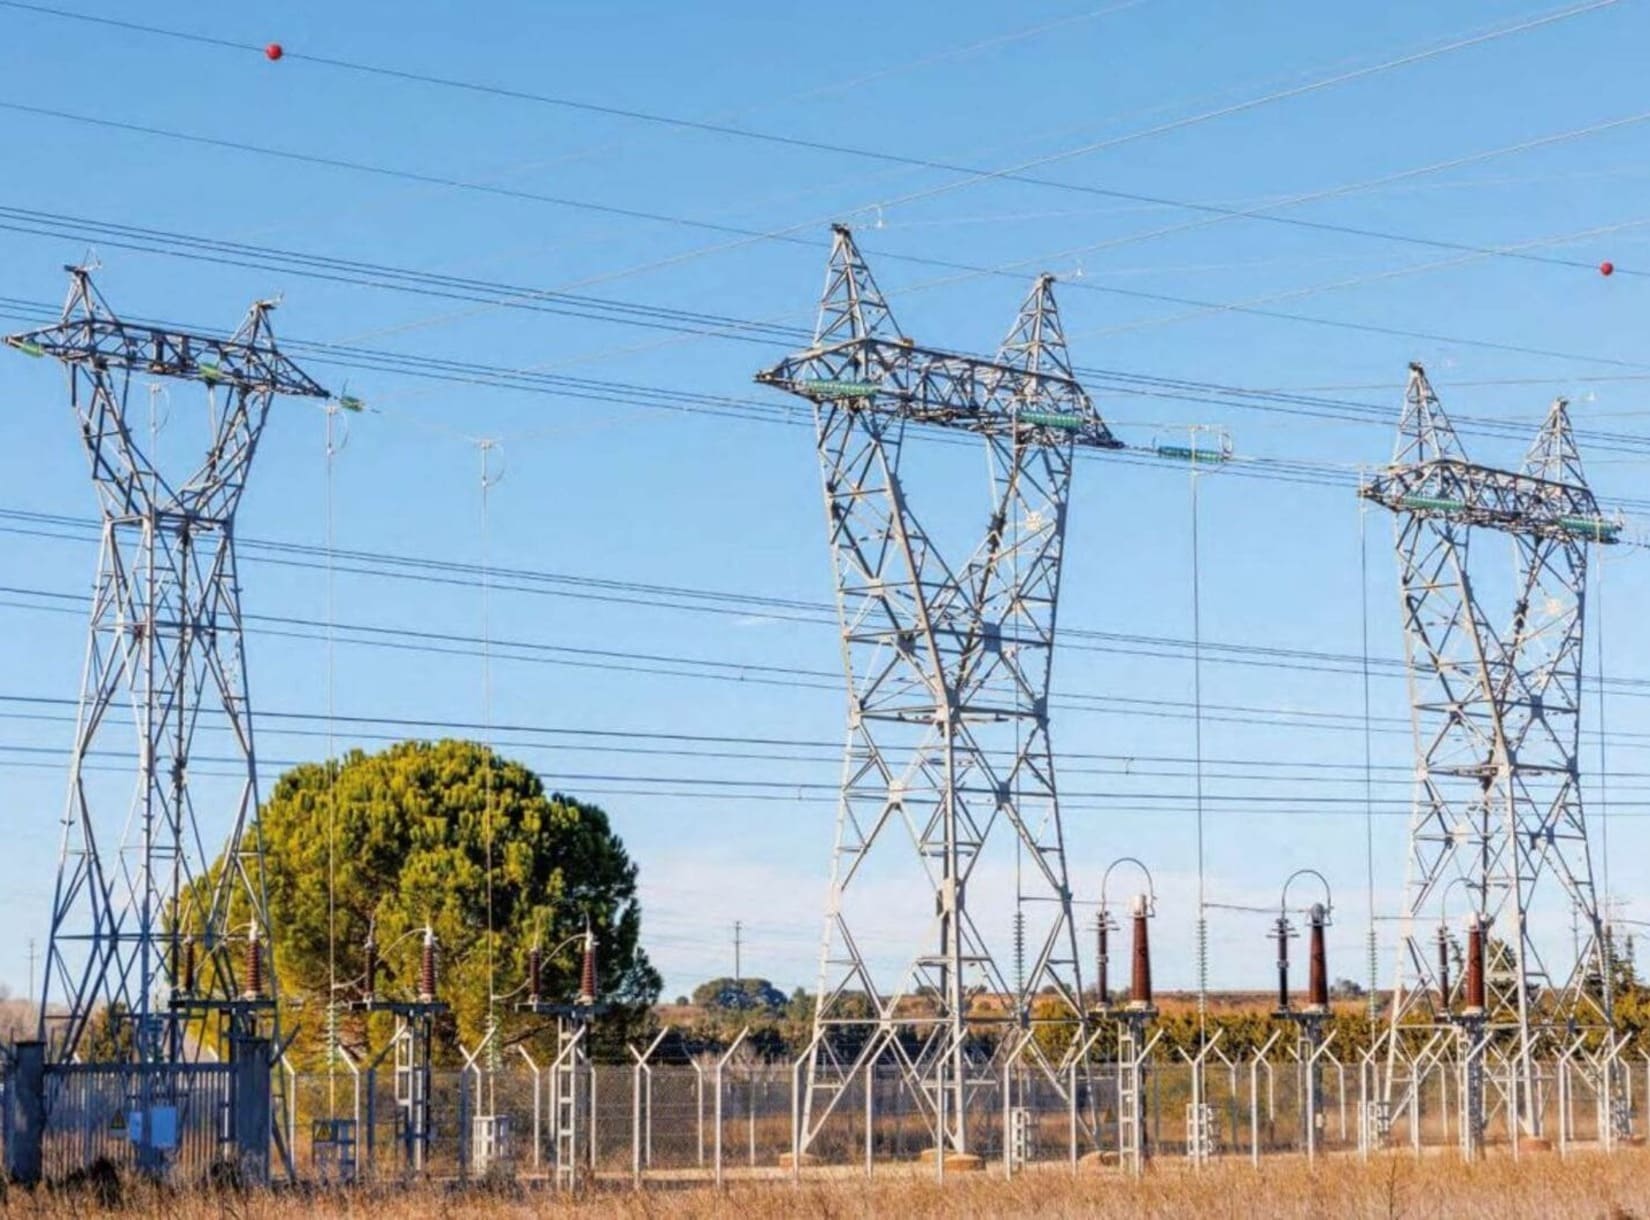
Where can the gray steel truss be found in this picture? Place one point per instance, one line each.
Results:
(137, 897)
(948, 682)
(1495, 692)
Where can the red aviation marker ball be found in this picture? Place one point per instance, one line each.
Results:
(274, 51)
(1606, 268)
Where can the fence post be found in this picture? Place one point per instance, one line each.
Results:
(636, 1135)
(699, 1100)
(372, 1113)
(636, 1125)
(290, 1088)
(1071, 1115)
(721, 1063)
(1260, 1061)
(796, 1119)
(716, 1137)
(870, 1114)
(464, 1120)
(1008, 1119)
(1254, 1112)
(537, 1097)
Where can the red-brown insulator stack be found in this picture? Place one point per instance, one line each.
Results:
(1140, 980)
(254, 966)
(1317, 982)
(1443, 967)
(587, 974)
(189, 965)
(1283, 963)
(370, 952)
(1475, 966)
(1102, 935)
(535, 970)
(426, 967)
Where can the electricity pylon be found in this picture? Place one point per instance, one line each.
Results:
(1496, 701)
(948, 683)
(137, 897)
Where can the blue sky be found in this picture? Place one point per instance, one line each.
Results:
(613, 491)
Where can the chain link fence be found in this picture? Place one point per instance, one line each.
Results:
(739, 1116)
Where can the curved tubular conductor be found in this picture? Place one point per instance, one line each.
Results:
(1328, 900)
(1151, 885)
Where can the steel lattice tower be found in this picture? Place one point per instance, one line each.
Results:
(136, 895)
(948, 682)
(1496, 701)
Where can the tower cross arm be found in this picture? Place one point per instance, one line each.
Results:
(899, 378)
(108, 343)
(1454, 490)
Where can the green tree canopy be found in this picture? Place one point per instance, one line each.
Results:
(405, 836)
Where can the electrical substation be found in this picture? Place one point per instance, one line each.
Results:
(981, 1052)
(1015, 969)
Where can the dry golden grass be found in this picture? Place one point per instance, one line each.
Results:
(1608, 1188)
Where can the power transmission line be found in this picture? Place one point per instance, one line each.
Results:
(1144, 385)
(972, 174)
(679, 322)
(652, 595)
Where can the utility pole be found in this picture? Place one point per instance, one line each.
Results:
(738, 973)
(31, 968)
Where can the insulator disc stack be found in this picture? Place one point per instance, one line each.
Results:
(426, 968)
(1102, 935)
(370, 953)
(1282, 928)
(1443, 968)
(535, 974)
(254, 966)
(587, 973)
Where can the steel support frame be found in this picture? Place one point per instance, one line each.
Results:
(1496, 716)
(166, 643)
(948, 681)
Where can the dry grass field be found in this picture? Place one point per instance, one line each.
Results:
(1607, 1188)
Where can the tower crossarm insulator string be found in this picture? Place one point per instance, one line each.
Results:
(1430, 478)
(883, 372)
(91, 334)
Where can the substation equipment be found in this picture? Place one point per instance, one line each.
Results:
(415, 1011)
(1131, 1019)
(947, 664)
(572, 1094)
(1309, 1020)
(1496, 705)
(157, 951)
